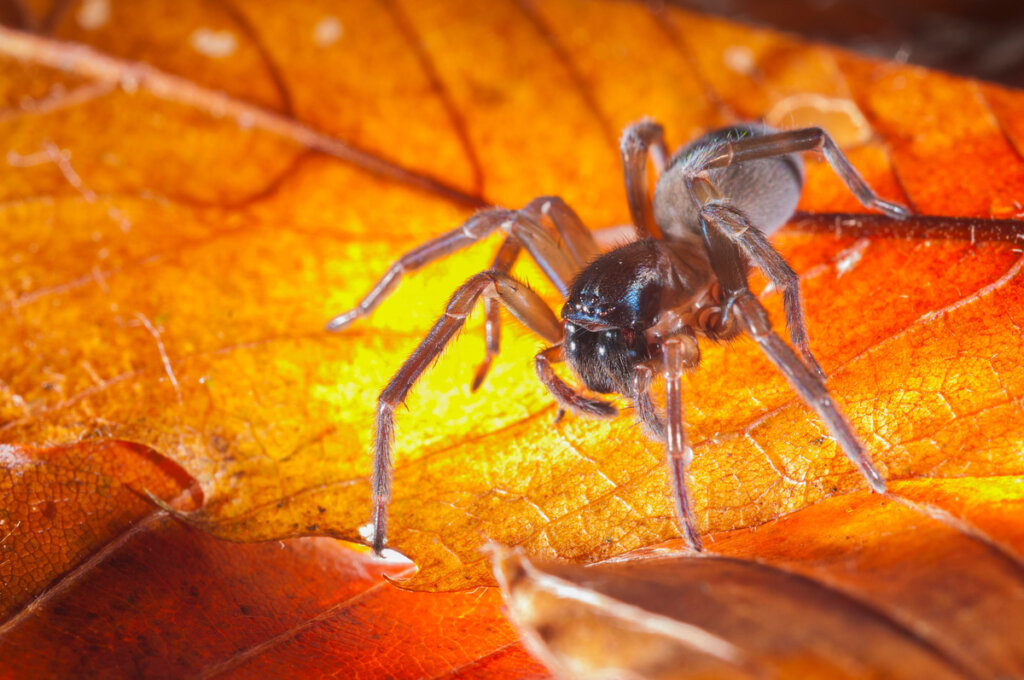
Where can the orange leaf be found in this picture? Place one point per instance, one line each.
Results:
(63, 505)
(175, 246)
(159, 599)
(857, 586)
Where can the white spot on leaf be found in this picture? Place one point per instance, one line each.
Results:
(740, 59)
(387, 555)
(327, 32)
(846, 260)
(214, 44)
(93, 14)
(12, 459)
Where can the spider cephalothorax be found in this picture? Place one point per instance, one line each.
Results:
(637, 310)
(612, 304)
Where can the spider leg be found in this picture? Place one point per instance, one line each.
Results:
(811, 388)
(558, 265)
(503, 262)
(805, 139)
(759, 249)
(678, 449)
(567, 397)
(673, 431)
(577, 240)
(477, 227)
(522, 302)
(572, 238)
(638, 140)
(643, 378)
(727, 264)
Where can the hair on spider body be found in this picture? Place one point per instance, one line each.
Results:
(637, 311)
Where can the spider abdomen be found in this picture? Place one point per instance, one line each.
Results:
(766, 190)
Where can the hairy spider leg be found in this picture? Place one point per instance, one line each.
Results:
(542, 246)
(752, 240)
(675, 357)
(639, 140)
(522, 302)
(727, 263)
(503, 261)
(646, 411)
(811, 389)
(566, 396)
(574, 239)
(478, 227)
(805, 139)
(578, 241)
(759, 249)
(678, 450)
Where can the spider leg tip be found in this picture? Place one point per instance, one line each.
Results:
(481, 374)
(821, 374)
(341, 322)
(379, 541)
(896, 210)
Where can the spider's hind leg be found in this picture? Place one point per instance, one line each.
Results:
(641, 140)
(805, 139)
(810, 388)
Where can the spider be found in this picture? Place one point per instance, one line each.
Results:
(638, 309)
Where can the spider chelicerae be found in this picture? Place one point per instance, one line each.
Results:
(637, 310)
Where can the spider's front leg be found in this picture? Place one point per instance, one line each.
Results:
(568, 398)
(575, 244)
(522, 302)
(678, 353)
(542, 246)
(646, 411)
(476, 228)
(728, 266)
(503, 262)
(560, 252)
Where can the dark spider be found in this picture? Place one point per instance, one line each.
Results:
(640, 307)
